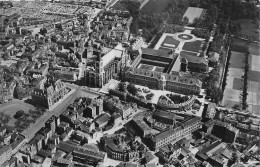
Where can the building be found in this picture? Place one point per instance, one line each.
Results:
(193, 63)
(156, 80)
(101, 120)
(153, 68)
(52, 123)
(5, 153)
(210, 110)
(169, 152)
(225, 131)
(117, 148)
(94, 108)
(50, 95)
(115, 105)
(173, 135)
(90, 156)
(106, 64)
(66, 75)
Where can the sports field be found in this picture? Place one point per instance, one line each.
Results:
(253, 97)
(233, 89)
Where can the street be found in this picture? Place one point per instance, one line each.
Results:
(30, 132)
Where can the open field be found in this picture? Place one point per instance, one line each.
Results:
(30, 114)
(254, 63)
(193, 13)
(234, 87)
(234, 81)
(155, 6)
(254, 48)
(238, 83)
(253, 97)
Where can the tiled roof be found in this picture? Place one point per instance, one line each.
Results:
(194, 59)
(176, 77)
(102, 118)
(159, 53)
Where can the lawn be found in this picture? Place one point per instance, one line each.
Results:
(170, 42)
(254, 62)
(238, 84)
(30, 116)
(159, 69)
(188, 53)
(254, 49)
(232, 95)
(237, 60)
(249, 27)
(254, 76)
(192, 46)
(146, 67)
(155, 6)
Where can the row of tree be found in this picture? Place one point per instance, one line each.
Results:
(245, 84)
(213, 89)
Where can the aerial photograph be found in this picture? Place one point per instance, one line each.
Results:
(129, 83)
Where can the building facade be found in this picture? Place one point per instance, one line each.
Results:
(173, 135)
(105, 66)
(50, 95)
(157, 80)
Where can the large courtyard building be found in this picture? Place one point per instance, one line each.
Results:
(105, 64)
(50, 94)
(154, 69)
(175, 134)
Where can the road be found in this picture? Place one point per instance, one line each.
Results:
(143, 4)
(112, 4)
(30, 132)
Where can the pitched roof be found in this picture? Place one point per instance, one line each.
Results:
(159, 53)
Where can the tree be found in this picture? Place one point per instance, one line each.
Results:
(237, 107)
(123, 87)
(185, 20)
(132, 89)
(19, 114)
(132, 7)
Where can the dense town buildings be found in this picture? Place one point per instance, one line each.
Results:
(102, 83)
(161, 77)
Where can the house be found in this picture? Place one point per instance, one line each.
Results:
(50, 95)
(169, 152)
(102, 120)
